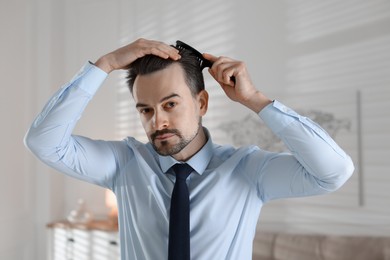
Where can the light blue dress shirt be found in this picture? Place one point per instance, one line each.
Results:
(227, 187)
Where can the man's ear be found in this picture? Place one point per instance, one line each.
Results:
(203, 101)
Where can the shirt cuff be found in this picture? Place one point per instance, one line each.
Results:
(277, 116)
(90, 78)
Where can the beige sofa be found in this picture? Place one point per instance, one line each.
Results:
(280, 246)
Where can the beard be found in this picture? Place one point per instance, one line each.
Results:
(166, 148)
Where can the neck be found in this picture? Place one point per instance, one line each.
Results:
(193, 147)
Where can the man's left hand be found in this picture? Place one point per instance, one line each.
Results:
(234, 79)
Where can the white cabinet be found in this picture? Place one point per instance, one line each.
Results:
(98, 240)
(105, 245)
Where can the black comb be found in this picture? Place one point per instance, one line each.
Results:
(202, 61)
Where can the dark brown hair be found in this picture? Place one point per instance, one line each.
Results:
(150, 63)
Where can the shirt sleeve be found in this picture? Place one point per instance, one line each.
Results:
(316, 164)
(50, 135)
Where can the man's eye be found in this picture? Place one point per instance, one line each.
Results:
(144, 110)
(170, 104)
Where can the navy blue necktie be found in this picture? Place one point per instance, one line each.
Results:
(179, 221)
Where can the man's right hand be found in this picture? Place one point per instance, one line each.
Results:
(124, 56)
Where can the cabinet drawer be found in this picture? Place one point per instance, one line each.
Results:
(105, 245)
(97, 240)
(71, 244)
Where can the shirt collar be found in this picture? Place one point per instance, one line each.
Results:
(198, 162)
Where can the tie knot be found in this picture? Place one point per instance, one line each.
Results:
(182, 170)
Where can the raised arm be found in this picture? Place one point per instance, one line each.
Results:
(50, 136)
(316, 163)
(124, 56)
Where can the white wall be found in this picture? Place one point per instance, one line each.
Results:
(42, 47)
(16, 193)
(91, 30)
(287, 50)
(20, 180)
(337, 60)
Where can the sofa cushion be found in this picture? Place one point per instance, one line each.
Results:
(282, 246)
(386, 250)
(263, 246)
(357, 248)
(297, 247)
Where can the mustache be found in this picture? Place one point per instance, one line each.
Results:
(164, 131)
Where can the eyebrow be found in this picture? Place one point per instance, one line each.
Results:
(162, 100)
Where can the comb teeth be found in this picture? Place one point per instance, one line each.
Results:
(202, 61)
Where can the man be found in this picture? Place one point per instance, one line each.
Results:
(227, 187)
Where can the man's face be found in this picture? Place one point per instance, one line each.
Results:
(169, 113)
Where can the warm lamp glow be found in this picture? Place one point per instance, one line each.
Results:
(112, 205)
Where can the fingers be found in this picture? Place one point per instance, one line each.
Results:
(210, 57)
(124, 56)
(224, 69)
(157, 48)
(164, 53)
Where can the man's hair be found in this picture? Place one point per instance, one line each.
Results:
(150, 63)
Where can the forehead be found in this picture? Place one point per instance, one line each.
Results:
(150, 88)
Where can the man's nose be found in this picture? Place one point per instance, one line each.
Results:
(160, 120)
